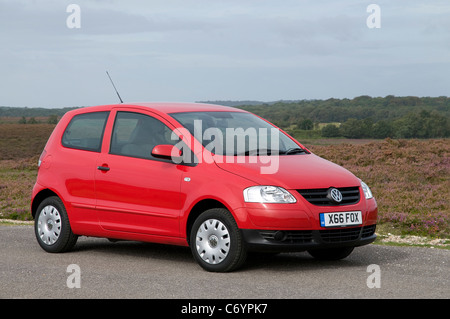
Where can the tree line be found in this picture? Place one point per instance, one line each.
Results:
(29, 112)
(360, 117)
(423, 124)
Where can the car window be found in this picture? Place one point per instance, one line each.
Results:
(85, 131)
(235, 133)
(136, 134)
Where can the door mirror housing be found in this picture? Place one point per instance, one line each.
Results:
(167, 151)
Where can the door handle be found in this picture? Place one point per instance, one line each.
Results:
(103, 168)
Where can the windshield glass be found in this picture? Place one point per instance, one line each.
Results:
(236, 133)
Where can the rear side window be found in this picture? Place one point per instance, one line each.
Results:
(85, 131)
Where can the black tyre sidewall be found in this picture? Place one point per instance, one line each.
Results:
(66, 239)
(237, 253)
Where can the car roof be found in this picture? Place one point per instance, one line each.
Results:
(177, 107)
(164, 107)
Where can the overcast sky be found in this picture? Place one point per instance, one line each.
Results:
(196, 50)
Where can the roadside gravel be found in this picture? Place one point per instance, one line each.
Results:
(415, 240)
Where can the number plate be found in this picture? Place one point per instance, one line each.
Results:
(340, 219)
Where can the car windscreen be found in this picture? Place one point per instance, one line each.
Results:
(236, 133)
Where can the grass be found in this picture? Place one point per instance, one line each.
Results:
(16, 182)
(409, 178)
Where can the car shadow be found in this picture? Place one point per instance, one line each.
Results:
(134, 249)
(366, 255)
(361, 256)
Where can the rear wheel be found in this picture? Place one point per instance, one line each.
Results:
(216, 241)
(331, 253)
(52, 227)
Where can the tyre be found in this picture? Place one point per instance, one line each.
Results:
(52, 227)
(216, 241)
(331, 253)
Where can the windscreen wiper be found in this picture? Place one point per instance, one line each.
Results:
(295, 150)
(268, 151)
(264, 151)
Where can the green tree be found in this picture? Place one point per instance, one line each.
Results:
(330, 130)
(52, 119)
(306, 124)
(436, 125)
(32, 120)
(353, 128)
(382, 129)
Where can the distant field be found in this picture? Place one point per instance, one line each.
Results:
(22, 141)
(409, 178)
(17, 119)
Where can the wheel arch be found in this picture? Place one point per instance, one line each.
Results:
(43, 194)
(199, 208)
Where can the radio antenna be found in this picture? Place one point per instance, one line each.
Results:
(114, 87)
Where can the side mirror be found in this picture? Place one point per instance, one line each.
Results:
(167, 152)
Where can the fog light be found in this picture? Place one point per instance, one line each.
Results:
(279, 236)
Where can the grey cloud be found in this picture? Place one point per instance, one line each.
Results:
(211, 49)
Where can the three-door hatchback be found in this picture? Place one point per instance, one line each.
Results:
(218, 179)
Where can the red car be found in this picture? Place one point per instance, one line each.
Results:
(218, 179)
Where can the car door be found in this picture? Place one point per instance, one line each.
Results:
(135, 191)
(73, 164)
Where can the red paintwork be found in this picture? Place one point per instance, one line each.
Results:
(141, 199)
(165, 151)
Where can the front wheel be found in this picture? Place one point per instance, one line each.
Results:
(216, 241)
(52, 227)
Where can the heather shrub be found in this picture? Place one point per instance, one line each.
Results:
(409, 178)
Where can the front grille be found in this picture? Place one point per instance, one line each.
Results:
(368, 231)
(340, 235)
(318, 196)
(289, 237)
(314, 237)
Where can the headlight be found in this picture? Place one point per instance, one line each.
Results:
(268, 194)
(366, 190)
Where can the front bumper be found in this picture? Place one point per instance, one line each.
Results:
(301, 240)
